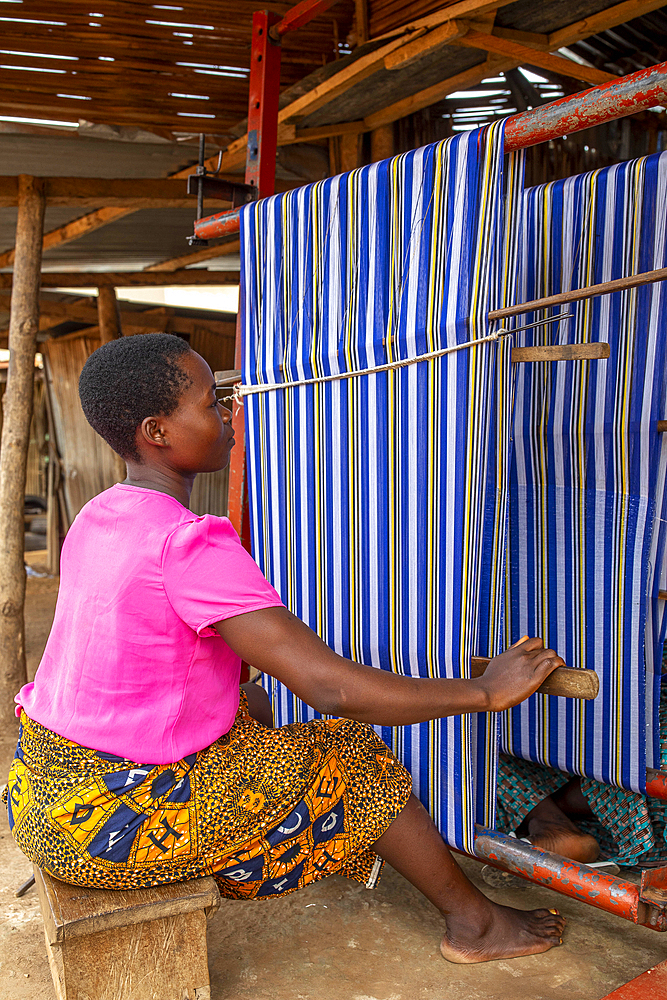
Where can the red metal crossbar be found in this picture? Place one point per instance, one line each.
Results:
(617, 99)
(300, 15)
(590, 885)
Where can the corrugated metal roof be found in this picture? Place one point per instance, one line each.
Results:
(75, 155)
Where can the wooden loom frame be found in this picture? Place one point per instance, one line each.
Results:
(645, 904)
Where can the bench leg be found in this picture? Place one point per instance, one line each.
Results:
(163, 959)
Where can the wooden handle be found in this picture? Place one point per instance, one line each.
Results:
(564, 682)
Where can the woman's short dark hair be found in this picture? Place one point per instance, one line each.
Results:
(129, 379)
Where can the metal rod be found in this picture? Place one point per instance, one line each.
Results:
(201, 173)
(590, 885)
(577, 294)
(541, 322)
(625, 96)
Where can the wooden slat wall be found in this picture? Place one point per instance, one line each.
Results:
(89, 464)
(35, 479)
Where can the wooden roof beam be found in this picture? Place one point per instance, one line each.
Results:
(602, 21)
(91, 192)
(130, 279)
(73, 230)
(523, 55)
(206, 253)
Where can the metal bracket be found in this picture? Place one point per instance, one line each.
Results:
(654, 886)
(216, 187)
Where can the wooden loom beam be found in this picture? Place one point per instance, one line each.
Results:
(577, 294)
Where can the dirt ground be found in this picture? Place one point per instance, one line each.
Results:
(336, 940)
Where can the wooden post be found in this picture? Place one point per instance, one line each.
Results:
(382, 143)
(361, 20)
(108, 314)
(350, 151)
(23, 326)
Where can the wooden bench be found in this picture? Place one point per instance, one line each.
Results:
(141, 944)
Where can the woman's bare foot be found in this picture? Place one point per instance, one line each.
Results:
(478, 930)
(509, 933)
(551, 830)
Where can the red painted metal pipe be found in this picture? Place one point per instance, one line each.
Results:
(656, 784)
(590, 885)
(215, 226)
(605, 103)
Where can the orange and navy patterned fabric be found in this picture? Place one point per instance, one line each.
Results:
(265, 811)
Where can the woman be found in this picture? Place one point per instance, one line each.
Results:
(139, 762)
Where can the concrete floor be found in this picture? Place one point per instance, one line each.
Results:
(336, 940)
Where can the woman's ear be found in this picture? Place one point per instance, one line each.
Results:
(153, 431)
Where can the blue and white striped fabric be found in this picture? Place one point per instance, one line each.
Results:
(588, 509)
(378, 504)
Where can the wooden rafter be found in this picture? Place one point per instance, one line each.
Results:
(524, 54)
(206, 253)
(73, 230)
(129, 279)
(84, 311)
(85, 192)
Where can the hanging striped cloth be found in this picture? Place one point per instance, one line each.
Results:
(588, 508)
(378, 504)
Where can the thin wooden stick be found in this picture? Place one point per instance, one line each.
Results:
(605, 288)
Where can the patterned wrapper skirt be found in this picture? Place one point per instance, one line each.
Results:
(265, 811)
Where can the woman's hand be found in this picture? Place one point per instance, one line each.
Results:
(514, 675)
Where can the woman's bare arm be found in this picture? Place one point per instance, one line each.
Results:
(279, 644)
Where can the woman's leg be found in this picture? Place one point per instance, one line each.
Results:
(259, 704)
(478, 930)
(550, 824)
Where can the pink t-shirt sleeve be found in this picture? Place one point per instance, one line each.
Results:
(208, 575)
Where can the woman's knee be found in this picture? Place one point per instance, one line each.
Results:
(259, 704)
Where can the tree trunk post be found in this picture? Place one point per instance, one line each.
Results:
(18, 401)
(108, 314)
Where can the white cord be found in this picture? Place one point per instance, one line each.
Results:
(247, 390)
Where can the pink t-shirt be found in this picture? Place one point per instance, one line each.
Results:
(133, 666)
